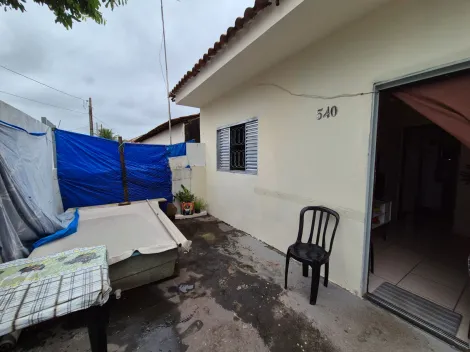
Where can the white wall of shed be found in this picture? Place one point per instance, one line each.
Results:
(18, 118)
(304, 161)
(192, 177)
(163, 138)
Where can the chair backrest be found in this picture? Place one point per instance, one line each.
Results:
(320, 221)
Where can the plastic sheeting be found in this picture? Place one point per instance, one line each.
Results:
(69, 230)
(148, 171)
(89, 170)
(175, 150)
(27, 208)
(443, 101)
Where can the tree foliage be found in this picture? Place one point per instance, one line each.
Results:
(68, 11)
(106, 133)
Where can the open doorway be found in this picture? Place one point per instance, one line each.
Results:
(420, 237)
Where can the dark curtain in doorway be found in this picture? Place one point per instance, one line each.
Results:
(445, 102)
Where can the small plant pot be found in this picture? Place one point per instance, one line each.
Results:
(187, 208)
(197, 210)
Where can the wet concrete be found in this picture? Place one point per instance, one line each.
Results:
(233, 300)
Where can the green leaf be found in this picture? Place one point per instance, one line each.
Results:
(68, 11)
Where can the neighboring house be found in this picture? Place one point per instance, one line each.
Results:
(183, 129)
(288, 101)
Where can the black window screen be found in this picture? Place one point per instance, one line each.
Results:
(237, 147)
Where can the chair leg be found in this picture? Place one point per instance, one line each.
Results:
(287, 269)
(305, 270)
(327, 272)
(315, 284)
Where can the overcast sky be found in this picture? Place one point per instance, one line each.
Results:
(116, 64)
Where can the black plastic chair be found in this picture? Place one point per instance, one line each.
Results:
(314, 255)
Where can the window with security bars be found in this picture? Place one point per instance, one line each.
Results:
(237, 147)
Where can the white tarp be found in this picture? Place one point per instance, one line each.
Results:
(27, 205)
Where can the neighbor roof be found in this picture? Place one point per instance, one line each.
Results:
(250, 14)
(164, 126)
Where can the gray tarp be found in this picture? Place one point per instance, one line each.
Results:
(27, 207)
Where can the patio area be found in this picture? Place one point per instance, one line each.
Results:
(229, 296)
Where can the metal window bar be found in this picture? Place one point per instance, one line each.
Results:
(237, 147)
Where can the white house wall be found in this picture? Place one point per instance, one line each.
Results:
(190, 171)
(305, 161)
(177, 136)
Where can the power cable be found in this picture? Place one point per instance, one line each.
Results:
(44, 84)
(312, 96)
(79, 128)
(104, 123)
(40, 102)
(54, 106)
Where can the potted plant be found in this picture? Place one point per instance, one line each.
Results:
(199, 204)
(186, 199)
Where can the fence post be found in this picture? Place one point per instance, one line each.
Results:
(123, 172)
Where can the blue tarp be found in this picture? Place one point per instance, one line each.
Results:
(148, 171)
(89, 170)
(175, 150)
(178, 149)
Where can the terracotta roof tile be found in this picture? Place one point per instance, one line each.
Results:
(240, 22)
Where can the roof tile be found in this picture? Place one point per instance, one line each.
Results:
(240, 22)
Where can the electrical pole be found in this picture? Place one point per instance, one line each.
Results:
(166, 69)
(90, 116)
(97, 130)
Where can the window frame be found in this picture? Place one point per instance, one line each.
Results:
(243, 122)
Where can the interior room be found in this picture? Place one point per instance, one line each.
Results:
(421, 212)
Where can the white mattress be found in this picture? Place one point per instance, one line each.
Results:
(140, 227)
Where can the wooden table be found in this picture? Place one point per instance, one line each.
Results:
(36, 290)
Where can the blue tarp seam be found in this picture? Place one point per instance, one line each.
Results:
(22, 129)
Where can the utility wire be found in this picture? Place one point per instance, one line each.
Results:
(40, 102)
(312, 96)
(51, 105)
(44, 84)
(79, 128)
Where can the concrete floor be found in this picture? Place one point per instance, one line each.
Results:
(237, 304)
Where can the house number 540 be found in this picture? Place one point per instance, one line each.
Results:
(326, 113)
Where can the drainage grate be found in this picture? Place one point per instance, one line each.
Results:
(432, 313)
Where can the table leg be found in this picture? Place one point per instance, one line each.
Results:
(97, 321)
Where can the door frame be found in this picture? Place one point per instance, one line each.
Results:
(377, 88)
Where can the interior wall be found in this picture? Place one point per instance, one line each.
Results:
(394, 117)
(305, 161)
(462, 202)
